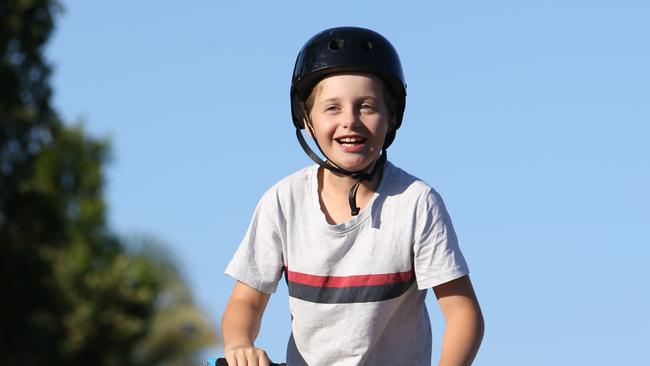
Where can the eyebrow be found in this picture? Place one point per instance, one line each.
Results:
(337, 99)
(329, 100)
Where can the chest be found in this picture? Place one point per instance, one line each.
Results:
(372, 246)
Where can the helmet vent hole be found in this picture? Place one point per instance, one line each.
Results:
(366, 46)
(335, 45)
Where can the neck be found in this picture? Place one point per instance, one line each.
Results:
(340, 184)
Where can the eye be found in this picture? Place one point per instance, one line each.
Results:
(331, 108)
(367, 107)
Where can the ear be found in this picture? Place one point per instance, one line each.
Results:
(306, 123)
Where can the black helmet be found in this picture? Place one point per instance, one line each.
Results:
(347, 49)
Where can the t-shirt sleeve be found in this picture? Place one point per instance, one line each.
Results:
(258, 262)
(437, 256)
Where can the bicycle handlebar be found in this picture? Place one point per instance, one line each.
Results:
(223, 362)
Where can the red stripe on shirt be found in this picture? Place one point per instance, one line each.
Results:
(349, 281)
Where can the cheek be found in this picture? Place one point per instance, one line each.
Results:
(381, 126)
(321, 128)
(323, 122)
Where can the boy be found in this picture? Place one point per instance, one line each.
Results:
(358, 239)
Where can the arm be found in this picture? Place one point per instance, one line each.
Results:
(241, 324)
(464, 322)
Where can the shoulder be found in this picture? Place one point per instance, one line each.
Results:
(296, 181)
(293, 187)
(400, 182)
(411, 189)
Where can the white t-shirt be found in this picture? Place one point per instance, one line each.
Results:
(356, 289)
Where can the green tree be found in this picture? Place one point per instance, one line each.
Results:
(74, 292)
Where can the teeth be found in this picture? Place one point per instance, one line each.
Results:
(349, 140)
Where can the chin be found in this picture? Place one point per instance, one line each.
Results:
(355, 166)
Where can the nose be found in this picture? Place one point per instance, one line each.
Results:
(350, 118)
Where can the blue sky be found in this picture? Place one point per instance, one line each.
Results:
(532, 119)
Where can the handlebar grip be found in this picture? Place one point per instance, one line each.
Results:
(223, 362)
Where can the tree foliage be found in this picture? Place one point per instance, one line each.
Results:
(74, 292)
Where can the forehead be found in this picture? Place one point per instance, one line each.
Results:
(348, 84)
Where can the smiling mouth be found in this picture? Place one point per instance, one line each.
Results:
(351, 141)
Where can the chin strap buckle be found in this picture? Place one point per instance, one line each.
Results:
(352, 198)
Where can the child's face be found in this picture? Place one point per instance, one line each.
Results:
(350, 119)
